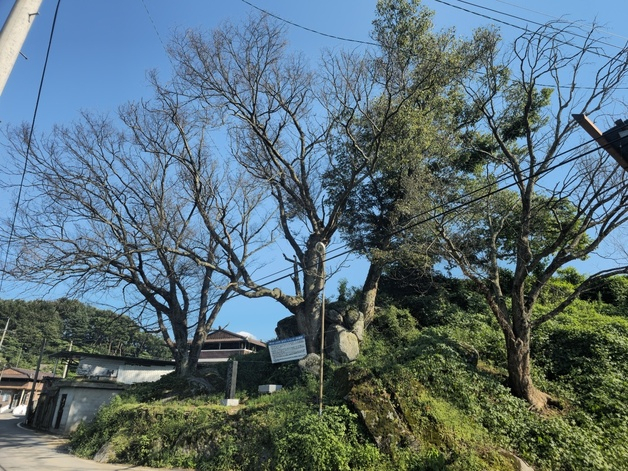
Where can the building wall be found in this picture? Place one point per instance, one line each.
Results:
(131, 374)
(79, 404)
(98, 367)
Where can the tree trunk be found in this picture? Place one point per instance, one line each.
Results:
(309, 325)
(369, 292)
(519, 378)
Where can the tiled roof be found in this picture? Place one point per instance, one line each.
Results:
(222, 335)
(24, 373)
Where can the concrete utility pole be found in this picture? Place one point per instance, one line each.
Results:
(13, 35)
(4, 332)
(614, 141)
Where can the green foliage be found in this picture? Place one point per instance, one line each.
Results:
(587, 353)
(287, 436)
(431, 399)
(64, 321)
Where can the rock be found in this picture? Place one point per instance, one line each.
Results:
(333, 316)
(311, 363)
(106, 454)
(379, 415)
(287, 328)
(358, 328)
(351, 317)
(342, 346)
(517, 462)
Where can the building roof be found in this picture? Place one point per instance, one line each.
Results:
(223, 335)
(24, 374)
(125, 360)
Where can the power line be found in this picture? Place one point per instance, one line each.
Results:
(517, 26)
(505, 176)
(320, 33)
(531, 21)
(28, 146)
(557, 18)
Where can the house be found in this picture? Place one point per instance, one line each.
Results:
(221, 344)
(65, 403)
(16, 385)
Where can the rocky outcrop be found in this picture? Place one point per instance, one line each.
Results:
(344, 329)
(344, 332)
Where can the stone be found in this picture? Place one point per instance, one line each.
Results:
(268, 388)
(230, 402)
(311, 363)
(333, 316)
(358, 328)
(287, 328)
(343, 346)
(351, 317)
(106, 454)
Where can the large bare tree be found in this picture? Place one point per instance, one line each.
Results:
(288, 121)
(555, 210)
(109, 207)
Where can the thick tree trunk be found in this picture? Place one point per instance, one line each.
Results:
(309, 324)
(519, 377)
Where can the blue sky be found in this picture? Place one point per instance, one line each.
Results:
(102, 50)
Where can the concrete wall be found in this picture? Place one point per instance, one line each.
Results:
(82, 402)
(131, 374)
(98, 367)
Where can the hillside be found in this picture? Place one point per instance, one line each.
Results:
(418, 398)
(66, 322)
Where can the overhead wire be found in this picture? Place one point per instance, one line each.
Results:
(28, 146)
(491, 18)
(261, 281)
(305, 28)
(499, 12)
(555, 17)
(505, 176)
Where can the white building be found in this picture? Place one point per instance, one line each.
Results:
(65, 403)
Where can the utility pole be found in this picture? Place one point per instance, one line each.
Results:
(614, 141)
(29, 408)
(13, 35)
(321, 249)
(4, 332)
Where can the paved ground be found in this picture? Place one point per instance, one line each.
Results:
(22, 449)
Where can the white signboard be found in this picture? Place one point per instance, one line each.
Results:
(287, 349)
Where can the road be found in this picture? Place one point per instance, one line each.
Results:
(23, 449)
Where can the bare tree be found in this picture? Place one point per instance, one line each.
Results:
(111, 209)
(288, 122)
(529, 212)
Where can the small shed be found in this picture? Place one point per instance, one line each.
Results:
(221, 344)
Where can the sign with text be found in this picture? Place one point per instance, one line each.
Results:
(287, 349)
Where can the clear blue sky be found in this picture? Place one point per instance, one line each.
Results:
(102, 50)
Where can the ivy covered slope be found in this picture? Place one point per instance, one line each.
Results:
(428, 393)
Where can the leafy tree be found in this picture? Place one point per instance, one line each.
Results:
(66, 322)
(378, 212)
(522, 99)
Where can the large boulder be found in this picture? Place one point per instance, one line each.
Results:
(342, 345)
(287, 328)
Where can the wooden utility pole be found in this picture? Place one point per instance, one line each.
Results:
(321, 249)
(614, 141)
(13, 35)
